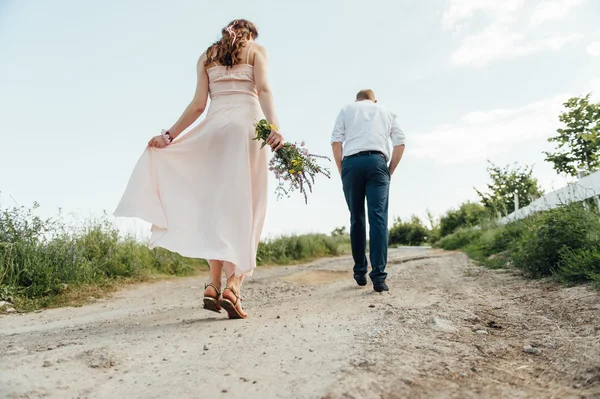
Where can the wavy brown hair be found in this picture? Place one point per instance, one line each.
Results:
(227, 50)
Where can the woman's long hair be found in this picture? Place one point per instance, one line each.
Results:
(227, 50)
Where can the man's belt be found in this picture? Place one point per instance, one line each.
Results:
(365, 153)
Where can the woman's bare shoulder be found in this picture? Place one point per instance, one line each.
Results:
(201, 60)
(259, 48)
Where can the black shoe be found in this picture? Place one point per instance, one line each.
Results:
(380, 287)
(360, 280)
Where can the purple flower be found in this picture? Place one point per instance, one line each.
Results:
(302, 144)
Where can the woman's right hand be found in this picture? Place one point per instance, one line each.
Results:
(157, 142)
(275, 140)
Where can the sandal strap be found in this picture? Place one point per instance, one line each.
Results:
(213, 286)
(237, 297)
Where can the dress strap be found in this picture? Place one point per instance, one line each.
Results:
(249, 50)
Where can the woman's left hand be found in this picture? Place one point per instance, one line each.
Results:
(157, 142)
(275, 140)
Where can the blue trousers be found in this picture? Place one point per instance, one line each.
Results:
(368, 177)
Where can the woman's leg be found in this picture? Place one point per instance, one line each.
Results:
(216, 271)
(234, 282)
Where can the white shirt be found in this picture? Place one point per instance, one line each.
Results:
(367, 126)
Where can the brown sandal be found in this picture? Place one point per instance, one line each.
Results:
(212, 303)
(230, 307)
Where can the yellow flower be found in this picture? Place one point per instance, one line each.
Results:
(272, 126)
(292, 171)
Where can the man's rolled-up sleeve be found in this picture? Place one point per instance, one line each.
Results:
(339, 129)
(396, 134)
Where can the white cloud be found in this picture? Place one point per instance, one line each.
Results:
(489, 134)
(498, 42)
(558, 42)
(552, 11)
(594, 49)
(459, 10)
(504, 37)
(486, 134)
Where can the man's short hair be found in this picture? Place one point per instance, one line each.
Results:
(365, 95)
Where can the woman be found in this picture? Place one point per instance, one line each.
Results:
(206, 192)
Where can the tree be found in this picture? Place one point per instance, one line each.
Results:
(469, 214)
(408, 233)
(505, 183)
(339, 231)
(578, 143)
(434, 227)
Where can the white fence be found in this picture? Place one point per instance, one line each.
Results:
(587, 187)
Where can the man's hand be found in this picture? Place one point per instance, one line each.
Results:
(337, 155)
(396, 157)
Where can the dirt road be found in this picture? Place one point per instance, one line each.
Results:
(448, 329)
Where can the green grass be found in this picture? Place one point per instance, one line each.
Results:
(459, 239)
(301, 248)
(563, 243)
(46, 263)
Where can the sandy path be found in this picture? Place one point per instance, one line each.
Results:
(447, 329)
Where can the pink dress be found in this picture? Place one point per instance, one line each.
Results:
(206, 193)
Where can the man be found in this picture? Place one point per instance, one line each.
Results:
(361, 148)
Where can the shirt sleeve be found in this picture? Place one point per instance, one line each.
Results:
(339, 129)
(396, 134)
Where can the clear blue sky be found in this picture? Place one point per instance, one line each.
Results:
(83, 85)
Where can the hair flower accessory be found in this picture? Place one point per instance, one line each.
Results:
(231, 32)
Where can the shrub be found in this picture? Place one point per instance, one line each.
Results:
(580, 265)
(408, 233)
(460, 239)
(481, 245)
(299, 248)
(564, 242)
(506, 236)
(339, 231)
(469, 214)
(42, 258)
(548, 234)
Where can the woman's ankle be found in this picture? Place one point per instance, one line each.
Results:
(235, 282)
(211, 284)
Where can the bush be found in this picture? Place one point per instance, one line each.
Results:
(506, 236)
(460, 239)
(408, 233)
(580, 265)
(481, 245)
(549, 234)
(43, 258)
(339, 231)
(563, 242)
(469, 214)
(299, 248)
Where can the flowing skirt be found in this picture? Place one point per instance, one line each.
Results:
(206, 193)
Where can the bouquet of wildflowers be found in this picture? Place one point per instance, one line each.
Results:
(295, 168)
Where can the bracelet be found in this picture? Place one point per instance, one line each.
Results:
(166, 136)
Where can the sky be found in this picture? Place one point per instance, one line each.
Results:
(84, 85)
